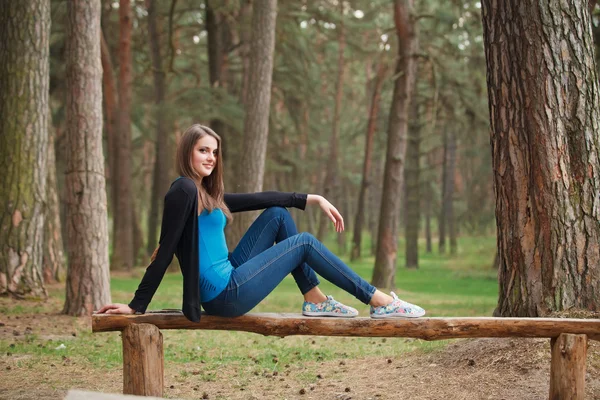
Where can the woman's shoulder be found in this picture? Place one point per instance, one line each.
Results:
(185, 185)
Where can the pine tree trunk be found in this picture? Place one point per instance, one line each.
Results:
(123, 246)
(164, 154)
(331, 185)
(442, 217)
(219, 42)
(428, 241)
(88, 284)
(111, 111)
(24, 79)
(450, 218)
(544, 103)
(366, 172)
(387, 237)
(54, 258)
(256, 123)
(412, 173)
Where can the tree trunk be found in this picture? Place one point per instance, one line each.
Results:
(54, 258)
(387, 237)
(366, 171)
(88, 283)
(219, 42)
(428, 241)
(331, 185)
(442, 218)
(412, 173)
(24, 79)
(111, 110)
(450, 218)
(544, 103)
(123, 252)
(256, 123)
(164, 154)
(596, 35)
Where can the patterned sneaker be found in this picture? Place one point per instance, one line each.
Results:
(397, 309)
(328, 308)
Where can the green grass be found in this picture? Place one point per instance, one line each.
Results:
(459, 285)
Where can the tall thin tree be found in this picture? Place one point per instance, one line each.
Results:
(88, 284)
(384, 272)
(366, 171)
(54, 257)
(123, 247)
(24, 79)
(412, 173)
(332, 184)
(256, 123)
(544, 104)
(164, 156)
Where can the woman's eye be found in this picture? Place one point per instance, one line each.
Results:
(202, 151)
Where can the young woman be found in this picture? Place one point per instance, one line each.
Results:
(196, 211)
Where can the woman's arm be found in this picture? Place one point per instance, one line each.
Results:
(177, 208)
(238, 202)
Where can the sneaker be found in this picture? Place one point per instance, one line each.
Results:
(397, 309)
(328, 308)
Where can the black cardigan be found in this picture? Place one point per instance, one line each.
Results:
(179, 236)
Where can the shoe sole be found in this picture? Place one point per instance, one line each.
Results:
(327, 314)
(404, 316)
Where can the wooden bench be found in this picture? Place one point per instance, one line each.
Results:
(143, 361)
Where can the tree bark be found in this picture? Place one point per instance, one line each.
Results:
(442, 219)
(279, 324)
(544, 103)
(88, 283)
(123, 247)
(54, 258)
(428, 241)
(387, 238)
(143, 360)
(24, 79)
(366, 171)
(111, 111)
(412, 174)
(256, 123)
(163, 151)
(331, 185)
(449, 203)
(219, 42)
(567, 370)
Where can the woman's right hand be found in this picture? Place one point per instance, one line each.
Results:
(116, 308)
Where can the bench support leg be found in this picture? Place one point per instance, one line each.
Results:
(567, 371)
(143, 361)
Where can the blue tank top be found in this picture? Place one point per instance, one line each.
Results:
(215, 267)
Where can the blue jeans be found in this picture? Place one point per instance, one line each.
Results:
(260, 266)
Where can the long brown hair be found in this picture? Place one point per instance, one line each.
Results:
(211, 191)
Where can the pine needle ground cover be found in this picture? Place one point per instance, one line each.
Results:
(45, 354)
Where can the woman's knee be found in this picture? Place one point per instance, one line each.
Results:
(276, 211)
(306, 237)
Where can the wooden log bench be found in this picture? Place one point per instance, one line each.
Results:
(143, 361)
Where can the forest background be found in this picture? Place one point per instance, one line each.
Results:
(380, 106)
(186, 61)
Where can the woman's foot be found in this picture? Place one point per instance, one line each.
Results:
(328, 308)
(397, 309)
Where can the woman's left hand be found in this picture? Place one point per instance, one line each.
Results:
(332, 213)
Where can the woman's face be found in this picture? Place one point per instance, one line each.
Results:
(204, 157)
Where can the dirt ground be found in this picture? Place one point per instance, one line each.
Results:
(465, 369)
